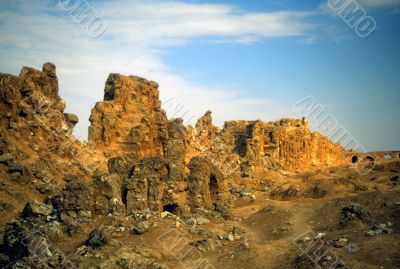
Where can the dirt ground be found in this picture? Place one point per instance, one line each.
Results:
(328, 218)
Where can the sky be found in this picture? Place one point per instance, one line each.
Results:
(240, 59)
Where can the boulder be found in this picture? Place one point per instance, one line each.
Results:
(205, 245)
(99, 237)
(25, 239)
(140, 228)
(353, 212)
(139, 257)
(37, 209)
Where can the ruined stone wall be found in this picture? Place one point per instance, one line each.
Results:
(289, 144)
(130, 120)
(32, 111)
(146, 187)
(129, 123)
(355, 157)
(161, 184)
(255, 146)
(153, 163)
(206, 183)
(175, 151)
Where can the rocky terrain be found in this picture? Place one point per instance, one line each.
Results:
(146, 191)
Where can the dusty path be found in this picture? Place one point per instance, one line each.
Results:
(272, 227)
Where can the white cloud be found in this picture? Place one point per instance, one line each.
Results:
(138, 34)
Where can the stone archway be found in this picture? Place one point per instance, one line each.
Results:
(354, 159)
(206, 184)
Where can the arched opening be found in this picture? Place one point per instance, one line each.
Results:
(171, 208)
(213, 188)
(124, 194)
(354, 159)
(388, 157)
(131, 171)
(369, 158)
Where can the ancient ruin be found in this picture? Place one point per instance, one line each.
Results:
(140, 167)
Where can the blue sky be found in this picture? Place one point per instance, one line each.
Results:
(241, 59)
